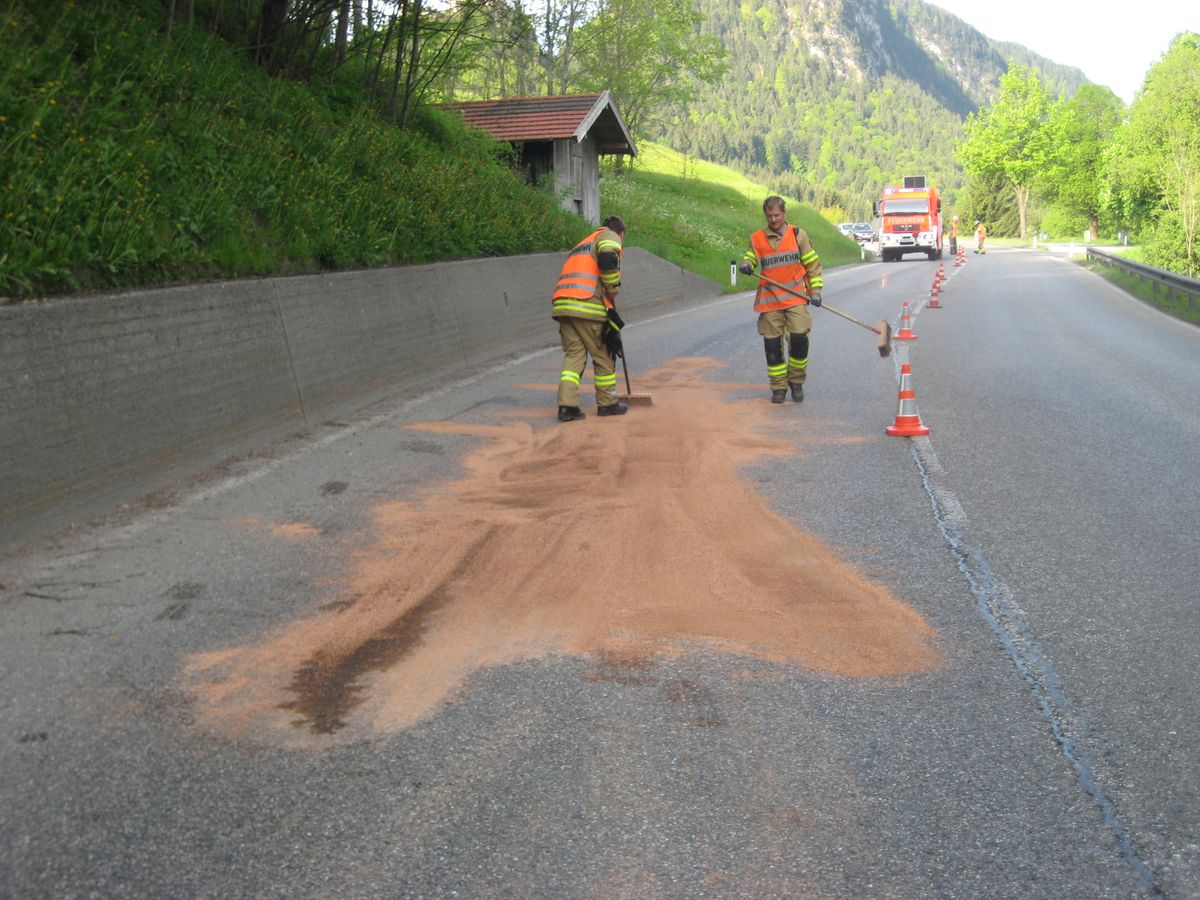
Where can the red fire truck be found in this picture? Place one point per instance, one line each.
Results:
(911, 220)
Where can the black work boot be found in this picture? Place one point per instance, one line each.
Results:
(778, 396)
(570, 413)
(797, 393)
(617, 409)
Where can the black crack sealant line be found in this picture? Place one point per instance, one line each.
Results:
(1068, 722)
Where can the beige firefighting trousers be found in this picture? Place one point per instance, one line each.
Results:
(582, 338)
(780, 323)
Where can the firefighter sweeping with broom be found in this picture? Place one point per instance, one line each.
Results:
(588, 323)
(790, 281)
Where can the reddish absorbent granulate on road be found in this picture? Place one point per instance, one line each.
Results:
(618, 538)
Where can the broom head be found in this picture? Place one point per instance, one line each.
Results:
(640, 399)
(885, 338)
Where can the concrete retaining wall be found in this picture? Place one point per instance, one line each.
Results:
(97, 392)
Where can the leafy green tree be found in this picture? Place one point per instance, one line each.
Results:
(649, 53)
(1087, 123)
(987, 199)
(1016, 138)
(1155, 161)
(558, 26)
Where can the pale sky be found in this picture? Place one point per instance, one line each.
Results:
(1113, 43)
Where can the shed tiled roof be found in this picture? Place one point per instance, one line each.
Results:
(549, 119)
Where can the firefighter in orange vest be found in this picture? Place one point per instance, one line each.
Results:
(584, 305)
(980, 236)
(787, 256)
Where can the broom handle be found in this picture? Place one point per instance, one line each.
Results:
(836, 312)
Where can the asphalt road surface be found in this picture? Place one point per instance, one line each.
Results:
(445, 646)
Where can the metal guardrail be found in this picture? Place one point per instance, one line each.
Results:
(1175, 284)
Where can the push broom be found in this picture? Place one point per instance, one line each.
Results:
(630, 397)
(884, 330)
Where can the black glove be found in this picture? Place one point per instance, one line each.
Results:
(815, 298)
(612, 333)
(746, 267)
(612, 342)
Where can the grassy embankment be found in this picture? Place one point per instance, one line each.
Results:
(127, 159)
(130, 159)
(700, 215)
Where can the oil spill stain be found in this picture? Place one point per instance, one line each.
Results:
(699, 706)
(173, 613)
(618, 542)
(327, 688)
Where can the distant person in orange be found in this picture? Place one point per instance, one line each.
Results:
(980, 236)
(954, 236)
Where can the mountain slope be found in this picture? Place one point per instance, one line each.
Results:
(830, 99)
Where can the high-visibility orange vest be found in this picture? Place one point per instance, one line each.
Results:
(577, 294)
(780, 264)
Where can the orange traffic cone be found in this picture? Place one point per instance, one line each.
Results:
(905, 333)
(933, 298)
(908, 422)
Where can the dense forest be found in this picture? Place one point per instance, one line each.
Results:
(831, 100)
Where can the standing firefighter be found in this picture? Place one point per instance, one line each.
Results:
(787, 256)
(980, 236)
(588, 323)
(954, 236)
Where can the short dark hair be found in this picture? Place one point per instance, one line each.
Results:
(774, 200)
(614, 223)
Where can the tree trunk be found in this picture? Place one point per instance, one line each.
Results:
(387, 37)
(270, 29)
(1023, 207)
(343, 30)
(322, 30)
(414, 60)
(401, 37)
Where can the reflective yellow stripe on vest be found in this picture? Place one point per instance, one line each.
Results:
(781, 264)
(579, 282)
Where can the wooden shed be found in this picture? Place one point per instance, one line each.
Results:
(561, 138)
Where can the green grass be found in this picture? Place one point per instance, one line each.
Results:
(700, 215)
(127, 159)
(131, 159)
